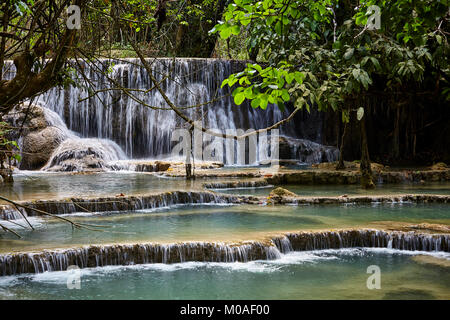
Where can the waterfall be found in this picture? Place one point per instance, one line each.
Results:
(126, 254)
(307, 151)
(170, 198)
(143, 253)
(237, 185)
(143, 132)
(116, 204)
(9, 213)
(410, 241)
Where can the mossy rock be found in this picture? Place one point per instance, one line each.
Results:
(281, 192)
(439, 166)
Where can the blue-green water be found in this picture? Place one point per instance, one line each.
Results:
(330, 274)
(218, 223)
(44, 185)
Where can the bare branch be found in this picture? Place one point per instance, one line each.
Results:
(193, 123)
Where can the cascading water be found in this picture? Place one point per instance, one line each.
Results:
(143, 131)
(146, 131)
(77, 154)
(114, 204)
(143, 253)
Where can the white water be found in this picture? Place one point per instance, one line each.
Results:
(143, 132)
(258, 266)
(144, 253)
(73, 154)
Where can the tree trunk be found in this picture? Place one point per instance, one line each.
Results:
(27, 83)
(188, 171)
(365, 167)
(5, 172)
(341, 164)
(7, 176)
(188, 164)
(396, 136)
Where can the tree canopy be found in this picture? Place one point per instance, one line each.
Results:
(325, 52)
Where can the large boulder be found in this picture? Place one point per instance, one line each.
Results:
(38, 131)
(38, 146)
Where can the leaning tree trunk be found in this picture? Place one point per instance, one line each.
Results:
(365, 167)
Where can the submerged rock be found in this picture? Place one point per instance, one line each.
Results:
(430, 260)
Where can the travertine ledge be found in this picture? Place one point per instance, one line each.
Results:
(166, 199)
(270, 249)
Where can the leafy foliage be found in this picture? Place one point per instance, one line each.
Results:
(322, 52)
(8, 147)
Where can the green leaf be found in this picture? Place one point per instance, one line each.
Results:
(272, 99)
(248, 93)
(239, 98)
(225, 33)
(349, 53)
(299, 77)
(257, 67)
(224, 83)
(235, 30)
(255, 103)
(356, 73)
(236, 91)
(290, 77)
(278, 27)
(375, 63)
(264, 101)
(300, 102)
(286, 20)
(285, 95)
(360, 113)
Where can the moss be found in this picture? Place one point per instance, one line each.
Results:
(281, 192)
(439, 166)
